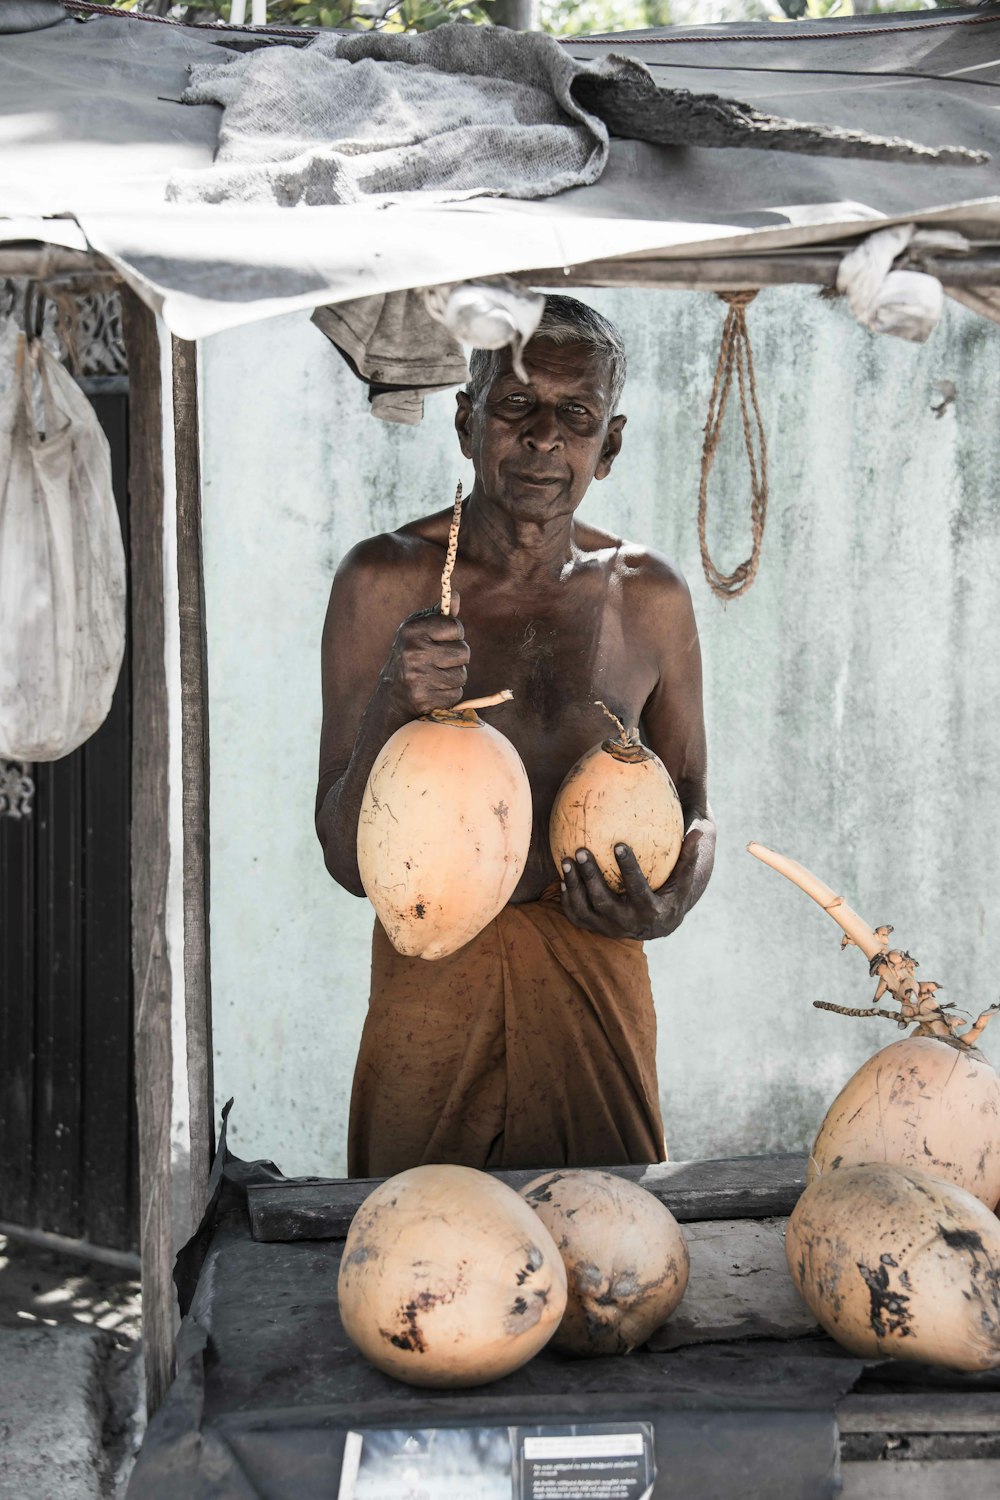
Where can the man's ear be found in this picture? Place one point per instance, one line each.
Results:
(612, 447)
(463, 417)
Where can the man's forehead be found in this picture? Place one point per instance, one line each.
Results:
(577, 363)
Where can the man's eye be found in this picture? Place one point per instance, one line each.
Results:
(516, 398)
(575, 409)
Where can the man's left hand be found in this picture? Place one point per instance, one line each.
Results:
(639, 912)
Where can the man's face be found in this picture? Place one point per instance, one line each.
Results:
(537, 444)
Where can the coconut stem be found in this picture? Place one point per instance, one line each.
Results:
(851, 1010)
(978, 1026)
(856, 927)
(628, 736)
(449, 562)
(894, 970)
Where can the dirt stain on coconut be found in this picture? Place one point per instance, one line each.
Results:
(535, 1259)
(890, 1311)
(542, 1191)
(962, 1239)
(411, 1338)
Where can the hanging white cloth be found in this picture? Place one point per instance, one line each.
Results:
(62, 562)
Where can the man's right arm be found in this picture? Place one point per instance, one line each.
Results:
(378, 674)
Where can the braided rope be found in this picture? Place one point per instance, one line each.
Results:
(452, 553)
(734, 353)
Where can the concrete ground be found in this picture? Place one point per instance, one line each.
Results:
(71, 1386)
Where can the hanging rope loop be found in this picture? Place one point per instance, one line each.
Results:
(736, 354)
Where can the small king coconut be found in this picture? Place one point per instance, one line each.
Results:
(445, 822)
(619, 792)
(625, 1255)
(930, 1101)
(448, 1278)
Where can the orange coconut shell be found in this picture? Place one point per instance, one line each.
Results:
(619, 794)
(920, 1103)
(625, 1255)
(443, 832)
(448, 1278)
(898, 1265)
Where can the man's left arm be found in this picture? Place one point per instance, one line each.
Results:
(673, 725)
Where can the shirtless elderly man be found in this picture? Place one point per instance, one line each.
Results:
(534, 1045)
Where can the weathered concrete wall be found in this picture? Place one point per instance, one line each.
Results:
(853, 697)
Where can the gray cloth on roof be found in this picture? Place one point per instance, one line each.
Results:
(466, 109)
(29, 15)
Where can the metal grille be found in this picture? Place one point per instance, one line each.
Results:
(82, 329)
(17, 789)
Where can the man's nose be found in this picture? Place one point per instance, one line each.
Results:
(541, 430)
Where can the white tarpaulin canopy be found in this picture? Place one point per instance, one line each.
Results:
(93, 131)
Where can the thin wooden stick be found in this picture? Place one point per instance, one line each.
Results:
(490, 701)
(628, 736)
(449, 562)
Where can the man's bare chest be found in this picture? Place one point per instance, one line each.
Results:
(558, 663)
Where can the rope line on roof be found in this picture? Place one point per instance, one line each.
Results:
(807, 72)
(783, 34)
(89, 7)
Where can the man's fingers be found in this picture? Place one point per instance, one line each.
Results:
(687, 860)
(637, 888)
(574, 898)
(598, 893)
(456, 600)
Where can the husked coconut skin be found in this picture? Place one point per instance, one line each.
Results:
(625, 1255)
(443, 832)
(897, 1265)
(619, 794)
(921, 1103)
(448, 1279)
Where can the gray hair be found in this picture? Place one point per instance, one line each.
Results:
(564, 321)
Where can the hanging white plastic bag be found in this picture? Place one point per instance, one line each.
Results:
(62, 563)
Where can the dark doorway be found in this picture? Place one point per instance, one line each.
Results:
(68, 1143)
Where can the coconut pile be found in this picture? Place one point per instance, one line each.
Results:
(895, 1243)
(450, 1278)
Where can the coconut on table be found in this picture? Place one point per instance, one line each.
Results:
(739, 1391)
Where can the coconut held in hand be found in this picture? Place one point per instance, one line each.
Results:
(444, 830)
(625, 1255)
(448, 1278)
(619, 792)
(445, 822)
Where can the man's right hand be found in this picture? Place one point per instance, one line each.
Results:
(428, 663)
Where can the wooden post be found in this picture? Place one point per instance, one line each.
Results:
(194, 771)
(169, 917)
(150, 845)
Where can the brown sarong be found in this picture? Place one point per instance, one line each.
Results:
(532, 1046)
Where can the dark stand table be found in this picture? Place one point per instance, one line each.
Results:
(743, 1395)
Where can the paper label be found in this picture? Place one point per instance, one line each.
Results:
(560, 1461)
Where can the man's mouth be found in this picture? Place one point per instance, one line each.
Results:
(539, 479)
